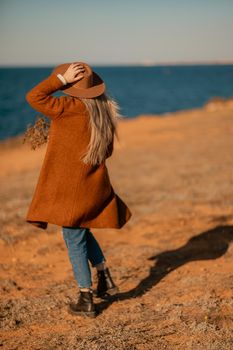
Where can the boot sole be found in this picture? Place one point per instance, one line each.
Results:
(82, 313)
(109, 292)
(113, 291)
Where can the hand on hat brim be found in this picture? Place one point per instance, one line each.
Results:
(74, 73)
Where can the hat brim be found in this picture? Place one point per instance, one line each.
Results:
(96, 90)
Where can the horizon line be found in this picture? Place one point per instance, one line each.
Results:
(142, 64)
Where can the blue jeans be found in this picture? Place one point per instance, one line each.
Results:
(82, 246)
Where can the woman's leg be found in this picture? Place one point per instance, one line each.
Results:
(94, 252)
(76, 242)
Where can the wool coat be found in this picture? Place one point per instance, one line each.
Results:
(68, 191)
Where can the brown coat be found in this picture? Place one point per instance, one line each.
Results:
(70, 192)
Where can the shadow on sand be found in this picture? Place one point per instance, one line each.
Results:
(208, 245)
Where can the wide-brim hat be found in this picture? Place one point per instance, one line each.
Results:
(91, 85)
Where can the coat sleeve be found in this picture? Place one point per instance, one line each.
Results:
(39, 97)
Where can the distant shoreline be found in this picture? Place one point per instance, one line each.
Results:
(214, 104)
(139, 90)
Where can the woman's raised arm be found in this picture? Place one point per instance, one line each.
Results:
(39, 97)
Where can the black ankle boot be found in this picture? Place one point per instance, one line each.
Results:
(84, 306)
(105, 285)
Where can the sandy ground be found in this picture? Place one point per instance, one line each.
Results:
(172, 261)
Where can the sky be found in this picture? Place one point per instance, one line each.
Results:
(109, 32)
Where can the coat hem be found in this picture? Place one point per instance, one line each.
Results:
(43, 224)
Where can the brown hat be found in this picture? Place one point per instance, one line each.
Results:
(91, 85)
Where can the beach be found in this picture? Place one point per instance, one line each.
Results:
(172, 261)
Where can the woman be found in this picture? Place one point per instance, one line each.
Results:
(74, 189)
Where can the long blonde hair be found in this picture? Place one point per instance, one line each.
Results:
(104, 114)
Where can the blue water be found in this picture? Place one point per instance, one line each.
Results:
(138, 90)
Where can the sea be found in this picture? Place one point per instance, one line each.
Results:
(137, 89)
